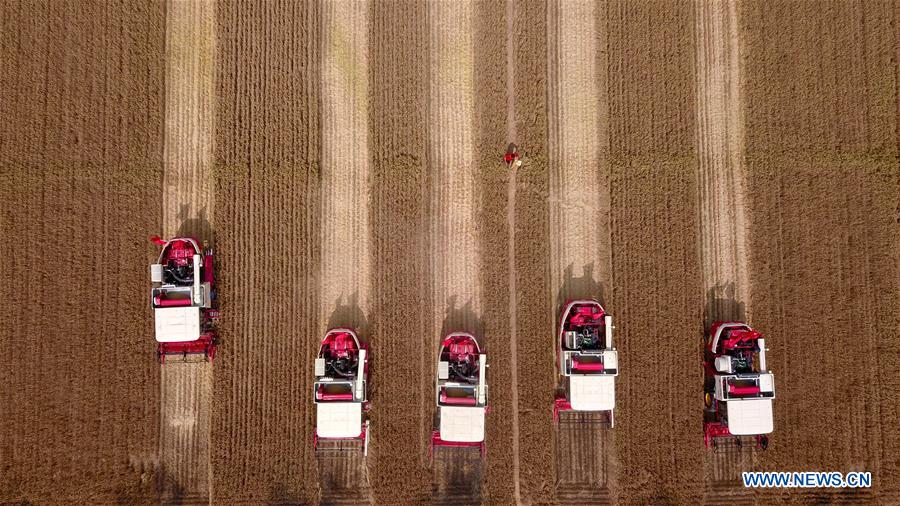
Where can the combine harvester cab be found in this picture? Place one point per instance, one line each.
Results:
(461, 393)
(183, 297)
(587, 361)
(738, 390)
(340, 393)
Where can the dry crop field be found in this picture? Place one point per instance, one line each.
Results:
(684, 162)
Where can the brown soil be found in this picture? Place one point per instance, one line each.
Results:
(83, 95)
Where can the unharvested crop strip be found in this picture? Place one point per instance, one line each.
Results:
(820, 163)
(186, 389)
(511, 237)
(534, 324)
(268, 204)
(402, 394)
(80, 194)
(654, 240)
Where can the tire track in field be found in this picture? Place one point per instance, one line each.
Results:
(720, 134)
(189, 134)
(455, 252)
(345, 278)
(580, 261)
(722, 252)
(186, 389)
(511, 237)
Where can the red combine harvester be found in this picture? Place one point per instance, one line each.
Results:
(183, 298)
(461, 393)
(340, 393)
(588, 362)
(738, 390)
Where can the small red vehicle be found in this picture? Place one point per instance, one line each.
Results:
(461, 393)
(183, 299)
(340, 393)
(738, 390)
(588, 363)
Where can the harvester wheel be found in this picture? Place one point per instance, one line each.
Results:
(763, 442)
(707, 399)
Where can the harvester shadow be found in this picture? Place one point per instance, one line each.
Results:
(170, 491)
(462, 319)
(195, 226)
(349, 315)
(280, 495)
(722, 305)
(584, 287)
(457, 476)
